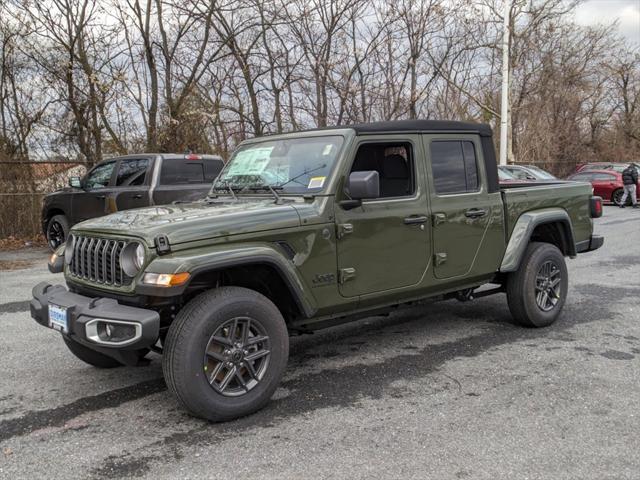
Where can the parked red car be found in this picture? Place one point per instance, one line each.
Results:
(616, 166)
(606, 184)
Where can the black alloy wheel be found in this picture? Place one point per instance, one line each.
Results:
(237, 356)
(57, 231)
(548, 286)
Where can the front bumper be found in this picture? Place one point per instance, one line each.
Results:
(84, 312)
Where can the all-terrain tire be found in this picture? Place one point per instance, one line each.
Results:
(89, 356)
(57, 231)
(526, 287)
(189, 337)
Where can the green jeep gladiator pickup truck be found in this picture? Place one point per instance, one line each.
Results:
(306, 230)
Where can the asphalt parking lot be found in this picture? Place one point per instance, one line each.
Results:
(452, 390)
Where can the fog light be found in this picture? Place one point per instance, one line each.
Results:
(113, 332)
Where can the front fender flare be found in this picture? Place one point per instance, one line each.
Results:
(220, 257)
(521, 234)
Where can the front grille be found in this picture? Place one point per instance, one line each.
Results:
(98, 260)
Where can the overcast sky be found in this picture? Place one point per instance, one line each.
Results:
(607, 11)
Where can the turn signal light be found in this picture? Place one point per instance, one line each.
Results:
(166, 279)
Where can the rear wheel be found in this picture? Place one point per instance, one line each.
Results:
(57, 231)
(616, 196)
(225, 353)
(537, 292)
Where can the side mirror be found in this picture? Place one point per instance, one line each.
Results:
(361, 185)
(75, 182)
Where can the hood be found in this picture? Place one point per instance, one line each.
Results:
(196, 221)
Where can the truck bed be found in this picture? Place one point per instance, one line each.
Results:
(571, 196)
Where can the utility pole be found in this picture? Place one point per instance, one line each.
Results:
(504, 108)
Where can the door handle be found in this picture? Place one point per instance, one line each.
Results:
(137, 195)
(415, 219)
(101, 197)
(475, 213)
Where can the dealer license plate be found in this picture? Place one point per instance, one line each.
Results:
(58, 318)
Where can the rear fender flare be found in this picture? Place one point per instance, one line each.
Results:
(523, 230)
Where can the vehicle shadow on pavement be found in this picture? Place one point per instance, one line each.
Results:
(410, 331)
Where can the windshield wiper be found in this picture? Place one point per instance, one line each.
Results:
(227, 187)
(272, 189)
(233, 194)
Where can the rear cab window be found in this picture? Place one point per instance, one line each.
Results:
(184, 171)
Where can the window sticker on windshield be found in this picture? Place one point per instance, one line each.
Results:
(250, 162)
(327, 149)
(316, 182)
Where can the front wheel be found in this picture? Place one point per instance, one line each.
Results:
(225, 353)
(537, 292)
(57, 231)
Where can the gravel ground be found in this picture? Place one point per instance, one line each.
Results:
(452, 390)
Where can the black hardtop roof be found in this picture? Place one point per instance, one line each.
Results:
(420, 126)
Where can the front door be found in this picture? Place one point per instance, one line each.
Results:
(98, 187)
(384, 244)
(465, 217)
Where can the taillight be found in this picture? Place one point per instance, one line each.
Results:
(596, 207)
(193, 156)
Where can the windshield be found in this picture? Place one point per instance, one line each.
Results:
(293, 165)
(504, 175)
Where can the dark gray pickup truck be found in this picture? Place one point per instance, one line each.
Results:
(127, 182)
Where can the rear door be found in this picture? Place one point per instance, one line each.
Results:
(187, 178)
(604, 184)
(467, 219)
(131, 189)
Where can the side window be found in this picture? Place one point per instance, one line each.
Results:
(582, 177)
(604, 177)
(519, 174)
(394, 164)
(100, 176)
(454, 167)
(132, 172)
(179, 171)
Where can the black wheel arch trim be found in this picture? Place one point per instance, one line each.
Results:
(523, 231)
(290, 279)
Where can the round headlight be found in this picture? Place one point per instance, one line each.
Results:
(132, 258)
(138, 260)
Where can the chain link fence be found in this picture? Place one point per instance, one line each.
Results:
(23, 185)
